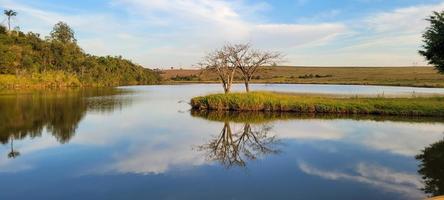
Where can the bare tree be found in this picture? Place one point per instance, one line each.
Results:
(239, 57)
(218, 62)
(248, 60)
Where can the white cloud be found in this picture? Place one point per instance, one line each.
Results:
(280, 36)
(409, 19)
(201, 25)
(162, 33)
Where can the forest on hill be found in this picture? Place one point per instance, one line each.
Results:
(28, 60)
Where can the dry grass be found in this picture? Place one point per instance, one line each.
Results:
(396, 76)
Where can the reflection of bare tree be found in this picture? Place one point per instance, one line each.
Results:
(432, 168)
(232, 148)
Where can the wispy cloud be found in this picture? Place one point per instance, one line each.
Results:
(161, 33)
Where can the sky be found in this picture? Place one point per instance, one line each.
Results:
(178, 33)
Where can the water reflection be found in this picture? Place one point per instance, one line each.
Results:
(233, 148)
(432, 168)
(227, 149)
(58, 112)
(265, 117)
(149, 151)
(13, 153)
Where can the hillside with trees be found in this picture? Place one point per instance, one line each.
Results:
(28, 60)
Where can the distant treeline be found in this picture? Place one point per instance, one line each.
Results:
(26, 58)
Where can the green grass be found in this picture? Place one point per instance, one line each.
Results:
(281, 102)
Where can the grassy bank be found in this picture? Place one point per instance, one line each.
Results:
(56, 79)
(393, 76)
(59, 79)
(281, 102)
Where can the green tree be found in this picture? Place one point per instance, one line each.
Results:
(432, 168)
(63, 33)
(9, 14)
(433, 48)
(24, 54)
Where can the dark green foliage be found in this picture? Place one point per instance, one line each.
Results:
(433, 48)
(26, 54)
(3, 30)
(186, 78)
(432, 168)
(308, 76)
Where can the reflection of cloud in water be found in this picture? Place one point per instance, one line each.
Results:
(157, 145)
(402, 138)
(377, 176)
(157, 152)
(27, 147)
(151, 159)
(396, 137)
(309, 129)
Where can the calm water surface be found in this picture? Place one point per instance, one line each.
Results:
(144, 143)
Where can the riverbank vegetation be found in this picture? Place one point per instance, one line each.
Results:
(285, 102)
(28, 60)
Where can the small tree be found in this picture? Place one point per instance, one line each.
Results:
(9, 14)
(218, 62)
(63, 33)
(433, 48)
(248, 60)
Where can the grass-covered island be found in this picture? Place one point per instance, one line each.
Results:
(286, 102)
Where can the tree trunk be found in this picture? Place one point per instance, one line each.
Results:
(247, 86)
(9, 23)
(226, 90)
(225, 86)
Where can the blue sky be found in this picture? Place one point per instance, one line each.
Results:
(164, 33)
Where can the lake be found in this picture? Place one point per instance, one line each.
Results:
(143, 142)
